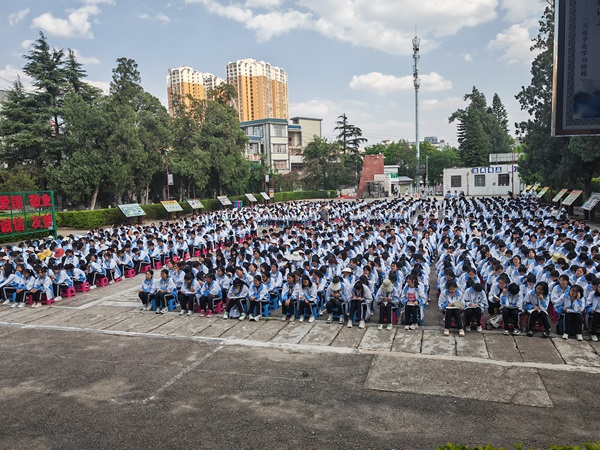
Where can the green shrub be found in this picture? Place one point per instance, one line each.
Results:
(87, 220)
(595, 184)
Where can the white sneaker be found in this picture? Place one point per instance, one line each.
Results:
(189, 312)
(14, 305)
(164, 310)
(284, 318)
(565, 336)
(7, 302)
(407, 327)
(251, 318)
(92, 287)
(111, 282)
(21, 305)
(57, 298)
(594, 338)
(257, 318)
(292, 318)
(380, 326)
(225, 315)
(446, 332)
(461, 333)
(341, 320)
(349, 323)
(412, 327)
(479, 329)
(580, 337)
(242, 316)
(361, 324)
(311, 319)
(328, 318)
(390, 327)
(182, 312)
(301, 319)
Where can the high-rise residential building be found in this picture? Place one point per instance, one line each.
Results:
(262, 91)
(185, 81)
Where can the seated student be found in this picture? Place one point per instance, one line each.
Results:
(124, 261)
(359, 299)
(450, 303)
(24, 288)
(412, 297)
(224, 281)
(289, 296)
(572, 305)
(140, 258)
(536, 307)
(60, 279)
(592, 311)
(210, 292)
(475, 301)
(12, 278)
(334, 298)
(147, 289)
(237, 295)
(187, 294)
(386, 300)
(111, 267)
(77, 275)
(259, 294)
(95, 271)
(511, 302)
(165, 287)
(307, 299)
(155, 254)
(42, 285)
(495, 294)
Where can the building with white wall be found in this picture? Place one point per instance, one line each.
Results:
(483, 181)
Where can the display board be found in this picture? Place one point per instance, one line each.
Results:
(574, 195)
(591, 202)
(195, 203)
(251, 197)
(132, 210)
(542, 192)
(27, 212)
(265, 196)
(172, 206)
(560, 195)
(224, 200)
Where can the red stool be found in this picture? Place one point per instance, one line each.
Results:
(145, 268)
(45, 301)
(129, 273)
(196, 253)
(117, 280)
(68, 292)
(157, 265)
(82, 287)
(102, 282)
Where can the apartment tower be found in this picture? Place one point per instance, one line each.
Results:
(185, 81)
(262, 91)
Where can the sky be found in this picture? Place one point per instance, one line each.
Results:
(341, 56)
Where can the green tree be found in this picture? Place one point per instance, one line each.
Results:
(322, 166)
(442, 159)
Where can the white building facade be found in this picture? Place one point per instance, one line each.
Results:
(483, 181)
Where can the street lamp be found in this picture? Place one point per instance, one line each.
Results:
(169, 177)
(417, 83)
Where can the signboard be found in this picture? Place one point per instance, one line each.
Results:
(560, 195)
(132, 210)
(195, 203)
(172, 206)
(265, 196)
(224, 200)
(170, 178)
(542, 192)
(27, 212)
(591, 202)
(494, 169)
(576, 83)
(251, 197)
(574, 195)
(272, 193)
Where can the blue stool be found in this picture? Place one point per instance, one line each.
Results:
(265, 309)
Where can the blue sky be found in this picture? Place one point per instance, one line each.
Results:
(342, 56)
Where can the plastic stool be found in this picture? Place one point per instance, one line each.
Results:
(69, 292)
(82, 287)
(145, 267)
(102, 282)
(129, 273)
(118, 280)
(157, 265)
(265, 309)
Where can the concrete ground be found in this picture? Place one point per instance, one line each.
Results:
(96, 372)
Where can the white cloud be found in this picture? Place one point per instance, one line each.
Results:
(385, 25)
(26, 44)
(519, 10)
(85, 59)
(9, 74)
(158, 16)
(514, 43)
(15, 18)
(468, 57)
(76, 24)
(103, 85)
(384, 84)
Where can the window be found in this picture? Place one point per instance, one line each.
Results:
(479, 180)
(280, 165)
(503, 179)
(279, 148)
(455, 181)
(279, 130)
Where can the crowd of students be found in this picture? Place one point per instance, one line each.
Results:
(499, 262)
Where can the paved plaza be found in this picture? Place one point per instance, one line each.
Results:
(75, 371)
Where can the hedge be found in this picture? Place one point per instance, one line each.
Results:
(87, 220)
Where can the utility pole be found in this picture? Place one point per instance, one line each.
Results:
(427, 170)
(417, 82)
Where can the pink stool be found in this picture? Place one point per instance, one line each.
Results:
(69, 292)
(145, 268)
(129, 273)
(157, 265)
(82, 287)
(117, 280)
(196, 253)
(102, 282)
